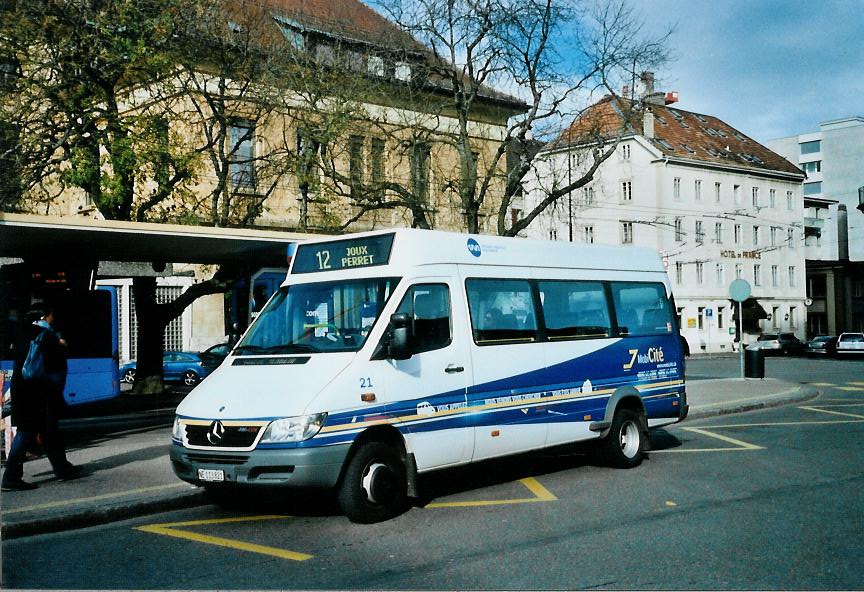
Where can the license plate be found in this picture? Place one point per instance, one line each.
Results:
(211, 474)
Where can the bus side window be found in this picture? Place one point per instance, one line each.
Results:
(642, 308)
(575, 309)
(428, 305)
(502, 311)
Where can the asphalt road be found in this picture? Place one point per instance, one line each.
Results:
(764, 500)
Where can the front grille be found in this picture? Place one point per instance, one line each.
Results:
(231, 437)
(222, 459)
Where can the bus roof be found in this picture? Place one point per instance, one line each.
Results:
(413, 247)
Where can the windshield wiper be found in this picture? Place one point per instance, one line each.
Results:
(291, 348)
(249, 349)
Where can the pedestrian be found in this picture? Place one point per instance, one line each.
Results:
(37, 404)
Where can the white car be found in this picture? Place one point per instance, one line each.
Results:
(850, 343)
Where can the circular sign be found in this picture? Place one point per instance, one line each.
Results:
(474, 247)
(808, 302)
(739, 290)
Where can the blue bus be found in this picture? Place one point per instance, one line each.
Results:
(88, 321)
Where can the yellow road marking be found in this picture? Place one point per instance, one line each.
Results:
(856, 382)
(171, 529)
(782, 423)
(739, 444)
(822, 384)
(850, 388)
(95, 498)
(855, 415)
(541, 494)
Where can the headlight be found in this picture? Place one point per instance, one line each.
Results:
(177, 430)
(293, 429)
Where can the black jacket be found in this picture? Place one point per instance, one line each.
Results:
(31, 398)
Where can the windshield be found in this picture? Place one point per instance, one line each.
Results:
(319, 317)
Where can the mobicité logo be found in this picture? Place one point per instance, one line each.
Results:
(473, 247)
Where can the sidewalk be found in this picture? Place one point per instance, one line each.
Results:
(128, 474)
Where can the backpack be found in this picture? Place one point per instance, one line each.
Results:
(34, 363)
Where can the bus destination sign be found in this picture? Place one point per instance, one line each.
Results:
(347, 254)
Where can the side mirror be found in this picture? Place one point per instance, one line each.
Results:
(400, 336)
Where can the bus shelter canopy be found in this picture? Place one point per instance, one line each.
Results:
(65, 240)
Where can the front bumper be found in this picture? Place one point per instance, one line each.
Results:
(295, 467)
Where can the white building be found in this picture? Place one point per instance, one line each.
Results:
(833, 159)
(716, 204)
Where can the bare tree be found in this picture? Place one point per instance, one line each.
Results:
(516, 46)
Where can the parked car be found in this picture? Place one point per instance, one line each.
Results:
(213, 355)
(822, 345)
(176, 366)
(850, 344)
(778, 343)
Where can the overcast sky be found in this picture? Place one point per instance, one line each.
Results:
(769, 68)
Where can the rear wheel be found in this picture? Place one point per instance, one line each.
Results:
(373, 487)
(190, 378)
(624, 446)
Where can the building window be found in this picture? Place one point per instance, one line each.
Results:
(718, 233)
(755, 235)
(793, 317)
(289, 30)
(737, 231)
(700, 235)
(420, 171)
(790, 238)
(697, 190)
(553, 234)
(700, 273)
(736, 194)
(739, 271)
(813, 188)
(757, 274)
(812, 167)
(403, 71)
(791, 276)
(626, 233)
(790, 201)
(376, 165)
(775, 317)
(811, 147)
(625, 151)
(375, 66)
(755, 194)
(720, 269)
(720, 311)
(679, 229)
(588, 234)
(774, 276)
(242, 154)
(701, 316)
(588, 196)
(716, 192)
(355, 164)
(626, 191)
(676, 188)
(772, 198)
(679, 272)
(774, 230)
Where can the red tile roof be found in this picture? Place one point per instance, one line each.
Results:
(678, 134)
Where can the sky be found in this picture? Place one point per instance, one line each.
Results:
(769, 68)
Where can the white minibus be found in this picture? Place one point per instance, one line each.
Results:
(389, 354)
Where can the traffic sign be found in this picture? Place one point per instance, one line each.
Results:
(739, 290)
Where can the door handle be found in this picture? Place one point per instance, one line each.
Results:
(453, 369)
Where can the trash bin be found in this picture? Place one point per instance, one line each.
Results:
(754, 363)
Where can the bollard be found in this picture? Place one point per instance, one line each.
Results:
(754, 363)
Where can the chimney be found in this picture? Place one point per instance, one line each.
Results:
(648, 124)
(625, 91)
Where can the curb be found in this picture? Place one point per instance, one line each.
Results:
(95, 516)
(796, 395)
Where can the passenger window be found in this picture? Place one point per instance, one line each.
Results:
(502, 311)
(574, 310)
(642, 309)
(428, 305)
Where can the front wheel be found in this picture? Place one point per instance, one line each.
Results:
(373, 487)
(624, 445)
